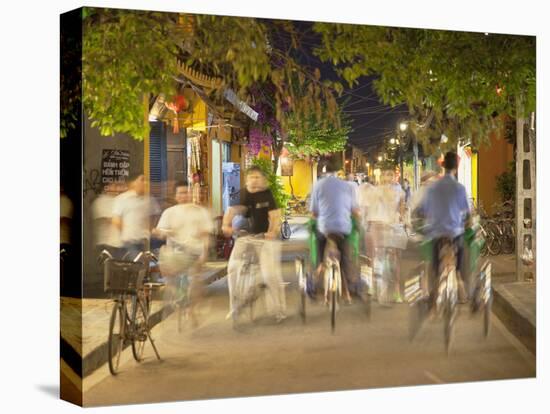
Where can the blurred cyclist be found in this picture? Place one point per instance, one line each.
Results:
(446, 211)
(187, 228)
(258, 204)
(333, 202)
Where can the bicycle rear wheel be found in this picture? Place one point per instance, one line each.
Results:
(116, 337)
(509, 238)
(333, 291)
(140, 322)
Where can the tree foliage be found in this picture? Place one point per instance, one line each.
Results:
(129, 54)
(464, 84)
(310, 138)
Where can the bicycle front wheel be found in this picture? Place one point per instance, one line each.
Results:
(116, 337)
(494, 240)
(141, 326)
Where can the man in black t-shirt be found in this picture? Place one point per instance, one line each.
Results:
(258, 205)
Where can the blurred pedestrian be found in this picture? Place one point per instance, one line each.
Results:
(385, 235)
(106, 235)
(133, 215)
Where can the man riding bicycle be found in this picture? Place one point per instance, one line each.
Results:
(333, 203)
(186, 227)
(446, 211)
(258, 204)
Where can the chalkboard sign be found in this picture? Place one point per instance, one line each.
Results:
(115, 166)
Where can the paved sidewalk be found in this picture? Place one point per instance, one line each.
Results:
(85, 322)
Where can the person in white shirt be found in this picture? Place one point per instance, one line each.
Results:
(133, 213)
(384, 207)
(106, 235)
(187, 228)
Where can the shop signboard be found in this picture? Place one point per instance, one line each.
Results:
(115, 166)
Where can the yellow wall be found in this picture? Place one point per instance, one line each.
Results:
(302, 180)
(493, 160)
(197, 116)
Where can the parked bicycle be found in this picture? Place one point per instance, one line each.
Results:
(286, 230)
(132, 286)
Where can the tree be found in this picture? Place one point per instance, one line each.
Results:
(129, 55)
(461, 84)
(310, 138)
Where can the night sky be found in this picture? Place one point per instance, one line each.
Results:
(370, 119)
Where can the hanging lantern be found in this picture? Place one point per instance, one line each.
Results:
(287, 164)
(178, 104)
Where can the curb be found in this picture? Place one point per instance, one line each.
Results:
(511, 314)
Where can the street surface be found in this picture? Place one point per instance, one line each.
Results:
(262, 357)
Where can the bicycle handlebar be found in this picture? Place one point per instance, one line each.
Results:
(148, 254)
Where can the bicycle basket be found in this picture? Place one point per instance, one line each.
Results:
(122, 276)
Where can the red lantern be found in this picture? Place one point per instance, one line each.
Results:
(178, 104)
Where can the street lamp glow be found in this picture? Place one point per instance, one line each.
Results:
(379, 158)
(368, 165)
(403, 126)
(392, 141)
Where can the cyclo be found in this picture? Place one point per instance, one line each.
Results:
(441, 291)
(309, 269)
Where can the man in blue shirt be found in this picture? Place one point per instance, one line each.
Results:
(333, 202)
(446, 210)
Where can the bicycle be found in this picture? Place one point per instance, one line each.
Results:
(286, 230)
(247, 289)
(446, 304)
(130, 282)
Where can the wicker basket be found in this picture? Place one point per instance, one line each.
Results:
(123, 276)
